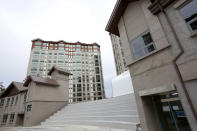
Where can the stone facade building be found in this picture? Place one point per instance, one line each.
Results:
(12, 104)
(159, 40)
(82, 60)
(119, 58)
(29, 103)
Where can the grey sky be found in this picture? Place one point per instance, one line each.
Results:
(69, 20)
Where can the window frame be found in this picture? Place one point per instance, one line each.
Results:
(29, 108)
(5, 119)
(2, 101)
(145, 46)
(8, 102)
(11, 118)
(12, 101)
(189, 22)
(16, 100)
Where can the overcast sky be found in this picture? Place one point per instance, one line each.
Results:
(69, 20)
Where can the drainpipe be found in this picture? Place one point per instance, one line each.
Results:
(176, 58)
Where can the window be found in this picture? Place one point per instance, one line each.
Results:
(99, 93)
(37, 43)
(78, 94)
(78, 85)
(189, 13)
(36, 52)
(5, 117)
(79, 79)
(25, 96)
(142, 45)
(34, 60)
(78, 89)
(29, 107)
(98, 88)
(79, 99)
(99, 98)
(73, 89)
(97, 70)
(97, 78)
(16, 100)
(11, 118)
(1, 102)
(8, 101)
(12, 101)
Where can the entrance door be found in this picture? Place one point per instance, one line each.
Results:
(170, 112)
(20, 119)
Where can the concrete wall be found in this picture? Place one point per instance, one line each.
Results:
(41, 110)
(63, 81)
(46, 100)
(156, 69)
(188, 61)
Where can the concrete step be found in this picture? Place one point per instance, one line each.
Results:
(126, 118)
(103, 102)
(99, 113)
(119, 112)
(69, 127)
(92, 111)
(128, 98)
(93, 104)
(104, 107)
(113, 124)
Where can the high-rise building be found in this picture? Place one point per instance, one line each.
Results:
(82, 60)
(118, 54)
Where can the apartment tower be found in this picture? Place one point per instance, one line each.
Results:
(82, 60)
(118, 54)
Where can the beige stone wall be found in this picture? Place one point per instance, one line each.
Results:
(38, 92)
(15, 108)
(40, 111)
(46, 100)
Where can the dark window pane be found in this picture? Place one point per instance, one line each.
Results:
(147, 38)
(194, 24)
(149, 49)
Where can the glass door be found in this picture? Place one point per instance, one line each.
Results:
(170, 112)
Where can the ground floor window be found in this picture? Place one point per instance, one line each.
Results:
(170, 112)
(29, 107)
(11, 118)
(5, 117)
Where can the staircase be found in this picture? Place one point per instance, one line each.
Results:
(114, 113)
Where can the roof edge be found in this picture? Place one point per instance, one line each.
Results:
(112, 25)
(60, 70)
(8, 88)
(62, 41)
(30, 78)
